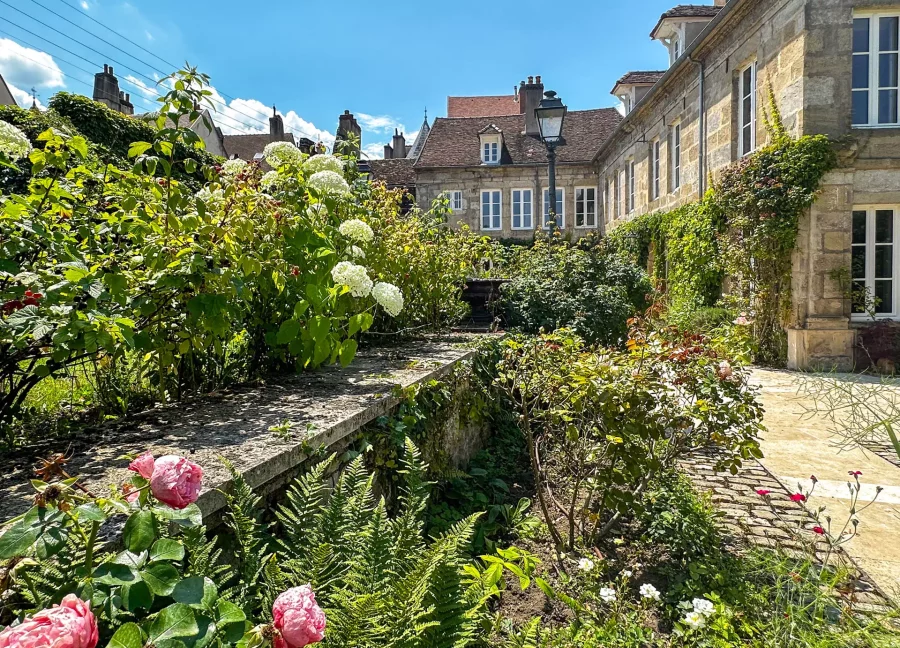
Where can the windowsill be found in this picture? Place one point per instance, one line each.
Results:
(483, 163)
(585, 227)
(521, 229)
(875, 127)
(866, 319)
(491, 229)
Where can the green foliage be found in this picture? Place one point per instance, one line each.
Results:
(583, 287)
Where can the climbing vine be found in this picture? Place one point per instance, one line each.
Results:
(744, 229)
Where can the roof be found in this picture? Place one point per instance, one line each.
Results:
(246, 146)
(6, 94)
(487, 106)
(687, 11)
(455, 142)
(419, 142)
(641, 78)
(394, 173)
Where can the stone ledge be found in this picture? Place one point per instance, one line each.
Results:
(332, 403)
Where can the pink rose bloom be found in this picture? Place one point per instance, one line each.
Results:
(70, 624)
(176, 481)
(143, 465)
(298, 618)
(725, 371)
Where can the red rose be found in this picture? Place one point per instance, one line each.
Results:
(798, 497)
(818, 530)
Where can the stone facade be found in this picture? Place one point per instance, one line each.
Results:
(803, 50)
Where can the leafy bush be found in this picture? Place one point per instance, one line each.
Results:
(592, 291)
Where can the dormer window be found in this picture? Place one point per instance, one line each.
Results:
(491, 145)
(679, 27)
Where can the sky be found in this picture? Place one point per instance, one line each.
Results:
(384, 60)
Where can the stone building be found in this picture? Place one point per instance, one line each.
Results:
(6, 97)
(832, 66)
(250, 147)
(493, 167)
(106, 91)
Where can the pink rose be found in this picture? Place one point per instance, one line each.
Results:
(70, 624)
(176, 481)
(143, 465)
(298, 618)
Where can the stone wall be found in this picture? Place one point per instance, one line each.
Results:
(430, 183)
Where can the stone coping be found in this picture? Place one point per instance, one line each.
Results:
(324, 407)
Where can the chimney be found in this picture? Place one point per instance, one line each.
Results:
(399, 144)
(388, 152)
(106, 89)
(348, 131)
(276, 127)
(125, 105)
(720, 3)
(530, 95)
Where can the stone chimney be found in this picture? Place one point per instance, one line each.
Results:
(125, 105)
(106, 88)
(347, 127)
(388, 152)
(530, 94)
(276, 127)
(399, 144)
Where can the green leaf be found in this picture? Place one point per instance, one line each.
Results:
(139, 148)
(177, 620)
(128, 636)
(545, 587)
(190, 165)
(161, 578)
(288, 331)
(137, 595)
(348, 352)
(300, 308)
(187, 517)
(166, 549)
(91, 512)
(17, 540)
(196, 591)
(136, 561)
(229, 612)
(79, 145)
(110, 573)
(319, 327)
(140, 531)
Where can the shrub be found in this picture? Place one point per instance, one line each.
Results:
(592, 291)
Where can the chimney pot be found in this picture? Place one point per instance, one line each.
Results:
(127, 96)
(530, 79)
(105, 68)
(110, 69)
(346, 112)
(537, 78)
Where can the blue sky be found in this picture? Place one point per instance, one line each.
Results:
(385, 60)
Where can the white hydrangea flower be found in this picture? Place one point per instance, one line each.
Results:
(608, 594)
(13, 142)
(357, 230)
(627, 573)
(354, 276)
(357, 252)
(329, 182)
(586, 565)
(213, 199)
(270, 181)
(647, 591)
(323, 162)
(279, 154)
(231, 168)
(702, 606)
(694, 620)
(389, 297)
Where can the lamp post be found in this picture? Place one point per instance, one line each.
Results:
(550, 116)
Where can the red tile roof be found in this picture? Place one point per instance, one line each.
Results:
(496, 106)
(640, 78)
(687, 11)
(394, 173)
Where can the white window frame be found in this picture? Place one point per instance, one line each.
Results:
(632, 185)
(870, 245)
(491, 149)
(676, 156)
(742, 118)
(498, 217)
(620, 193)
(456, 199)
(561, 215)
(521, 205)
(874, 53)
(611, 198)
(590, 217)
(655, 168)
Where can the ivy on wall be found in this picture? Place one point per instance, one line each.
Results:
(744, 229)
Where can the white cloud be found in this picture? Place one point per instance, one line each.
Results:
(85, 5)
(143, 88)
(23, 98)
(374, 151)
(26, 67)
(379, 123)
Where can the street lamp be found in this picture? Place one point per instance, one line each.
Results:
(550, 116)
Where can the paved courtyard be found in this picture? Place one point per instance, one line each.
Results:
(797, 445)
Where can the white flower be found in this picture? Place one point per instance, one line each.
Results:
(270, 181)
(702, 606)
(608, 594)
(323, 162)
(231, 168)
(329, 182)
(354, 276)
(694, 620)
(627, 573)
(357, 252)
(357, 230)
(389, 297)
(213, 199)
(13, 142)
(586, 564)
(279, 154)
(649, 592)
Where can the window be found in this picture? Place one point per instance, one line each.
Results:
(747, 110)
(874, 259)
(490, 150)
(654, 170)
(620, 194)
(585, 207)
(522, 209)
(456, 200)
(676, 156)
(560, 208)
(491, 204)
(631, 187)
(876, 48)
(611, 198)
